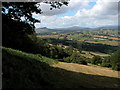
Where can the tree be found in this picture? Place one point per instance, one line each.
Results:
(106, 62)
(16, 10)
(18, 23)
(69, 50)
(22, 12)
(96, 60)
(75, 58)
(115, 60)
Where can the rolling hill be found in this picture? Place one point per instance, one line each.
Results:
(45, 30)
(60, 30)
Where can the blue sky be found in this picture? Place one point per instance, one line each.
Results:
(69, 13)
(83, 13)
(73, 12)
(92, 3)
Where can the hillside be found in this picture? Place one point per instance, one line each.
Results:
(25, 70)
(90, 76)
(45, 30)
(93, 69)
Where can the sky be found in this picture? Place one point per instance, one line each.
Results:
(82, 13)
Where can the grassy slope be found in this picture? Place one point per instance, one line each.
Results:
(90, 76)
(91, 69)
(21, 70)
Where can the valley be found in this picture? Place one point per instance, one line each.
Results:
(100, 38)
(58, 45)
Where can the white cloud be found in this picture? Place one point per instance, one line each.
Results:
(73, 5)
(105, 12)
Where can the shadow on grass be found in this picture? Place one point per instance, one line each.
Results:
(21, 72)
(69, 79)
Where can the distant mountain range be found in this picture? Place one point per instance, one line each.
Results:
(74, 28)
(70, 29)
(109, 27)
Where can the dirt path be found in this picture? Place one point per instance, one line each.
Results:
(94, 70)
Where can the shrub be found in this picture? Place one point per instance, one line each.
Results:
(96, 60)
(83, 62)
(106, 65)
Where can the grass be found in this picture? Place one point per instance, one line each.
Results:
(107, 42)
(90, 54)
(25, 70)
(28, 56)
(47, 36)
(87, 76)
(99, 54)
